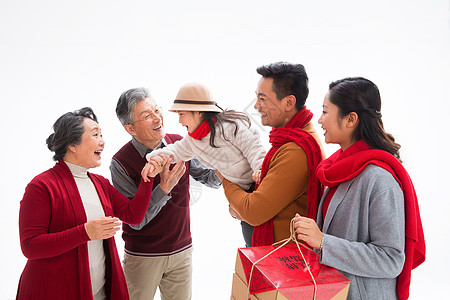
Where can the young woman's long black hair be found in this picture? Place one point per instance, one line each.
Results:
(227, 116)
(360, 95)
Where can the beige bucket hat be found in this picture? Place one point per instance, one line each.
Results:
(194, 96)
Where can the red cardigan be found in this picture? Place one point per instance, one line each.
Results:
(53, 237)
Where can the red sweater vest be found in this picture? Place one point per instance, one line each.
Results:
(169, 231)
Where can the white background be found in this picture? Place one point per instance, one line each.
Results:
(58, 56)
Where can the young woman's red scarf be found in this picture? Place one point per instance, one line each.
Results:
(263, 235)
(345, 165)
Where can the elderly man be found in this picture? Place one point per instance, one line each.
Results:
(288, 183)
(158, 252)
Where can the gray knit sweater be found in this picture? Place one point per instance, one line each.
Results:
(364, 233)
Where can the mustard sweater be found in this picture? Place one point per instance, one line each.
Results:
(282, 193)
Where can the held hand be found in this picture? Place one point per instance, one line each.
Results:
(154, 167)
(148, 168)
(234, 213)
(103, 228)
(308, 231)
(170, 178)
(257, 177)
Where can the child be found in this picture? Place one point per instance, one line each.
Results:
(219, 139)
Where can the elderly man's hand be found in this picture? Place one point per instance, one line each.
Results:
(154, 167)
(170, 178)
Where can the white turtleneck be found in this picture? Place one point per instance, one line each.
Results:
(94, 210)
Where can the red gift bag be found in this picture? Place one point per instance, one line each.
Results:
(285, 274)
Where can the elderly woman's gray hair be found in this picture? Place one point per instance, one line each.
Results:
(67, 131)
(127, 102)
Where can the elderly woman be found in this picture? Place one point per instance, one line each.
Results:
(68, 218)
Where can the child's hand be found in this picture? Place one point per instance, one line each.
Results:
(256, 176)
(154, 167)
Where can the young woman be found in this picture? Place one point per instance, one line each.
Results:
(368, 223)
(68, 218)
(219, 139)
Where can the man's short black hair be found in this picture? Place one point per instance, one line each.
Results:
(288, 79)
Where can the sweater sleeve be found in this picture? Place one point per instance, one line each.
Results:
(180, 150)
(383, 255)
(157, 202)
(204, 175)
(131, 212)
(35, 216)
(125, 185)
(284, 182)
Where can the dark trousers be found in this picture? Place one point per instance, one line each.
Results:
(247, 229)
(247, 232)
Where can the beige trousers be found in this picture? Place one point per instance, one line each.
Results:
(172, 274)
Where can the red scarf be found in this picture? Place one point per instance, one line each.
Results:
(263, 235)
(345, 165)
(201, 131)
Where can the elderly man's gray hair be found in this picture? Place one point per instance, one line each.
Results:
(127, 102)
